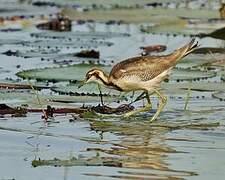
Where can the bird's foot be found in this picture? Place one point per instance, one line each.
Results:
(160, 108)
(144, 109)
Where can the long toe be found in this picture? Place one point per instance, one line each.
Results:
(128, 114)
(148, 107)
(153, 118)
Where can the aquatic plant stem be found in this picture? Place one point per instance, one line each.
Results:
(38, 99)
(99, 88)
(188, 96)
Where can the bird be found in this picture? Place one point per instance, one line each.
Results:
(143, 73)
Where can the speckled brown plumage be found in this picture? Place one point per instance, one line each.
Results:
(148, 67)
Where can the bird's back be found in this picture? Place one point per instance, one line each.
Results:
(148, 67)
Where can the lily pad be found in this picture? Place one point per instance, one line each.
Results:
(24, 10)
(32, 53)
(16, 85)
(69, 73)
(78, 35)
(197, 86)
(141, 14)
(88, 89)
(17, 98)
(67, 44)
(206, 50)
(11, 41)
(219, 95)
(188, 74)
(192, 61)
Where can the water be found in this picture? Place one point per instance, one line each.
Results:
(180, 145)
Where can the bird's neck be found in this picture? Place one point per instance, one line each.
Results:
(104, 78)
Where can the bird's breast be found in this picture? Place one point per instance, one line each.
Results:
(130, 83)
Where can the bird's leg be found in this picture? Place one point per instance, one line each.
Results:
(138, 98)
(100, 93)
(132, 97)
(144, 109)
(148, 99)
(121, 95)
(141, 96)
(162, 103)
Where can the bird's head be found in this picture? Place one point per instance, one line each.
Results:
(97, 76)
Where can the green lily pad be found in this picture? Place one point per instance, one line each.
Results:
(21, 85)
(141, 14)
(206, 50)
(54, 55)
(88, 89)
(192, 61)
(17, 98)
(33, 53)
(219, 95)
(66, 44)
(188, 74)
(78, 35)
(69, 73)
(197, 86)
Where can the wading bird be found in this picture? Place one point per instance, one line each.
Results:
(141, 73)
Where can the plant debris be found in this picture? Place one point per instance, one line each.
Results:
(109, 110)
(61, 23)
(94, 161)
(88, 54)
(155, 48)
(18, 111)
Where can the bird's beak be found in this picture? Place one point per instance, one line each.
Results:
(82, 83)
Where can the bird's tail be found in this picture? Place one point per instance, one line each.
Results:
(184, 51)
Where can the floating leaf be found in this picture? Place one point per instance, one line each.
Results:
(197, 86)
(188, 74)
(33, 53)
(219, 95)
(69, 73)
(23, 85)
(66, 44)
(191, 62)
(78, 35)
(17, 98)
(141, 14)
(88, 89)
(206, 50)
(23, 10)
(11, 41)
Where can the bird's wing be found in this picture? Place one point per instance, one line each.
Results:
(143, 68)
